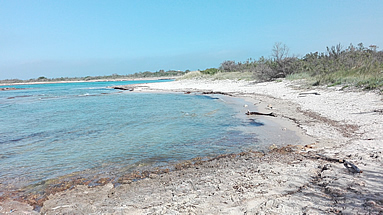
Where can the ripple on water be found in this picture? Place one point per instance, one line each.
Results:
(110, 134)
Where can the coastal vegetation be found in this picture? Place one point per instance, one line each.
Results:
(218, 76)
(356, 66)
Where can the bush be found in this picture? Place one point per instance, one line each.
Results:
(210, 71)
(42, 78)
(357, 65)
(263, 72)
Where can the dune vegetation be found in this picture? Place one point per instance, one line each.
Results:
(356, 66)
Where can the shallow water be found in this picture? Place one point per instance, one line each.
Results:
(52, 130)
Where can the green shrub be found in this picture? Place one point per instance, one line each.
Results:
(210, 71)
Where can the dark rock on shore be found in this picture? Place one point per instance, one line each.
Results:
(10, 88)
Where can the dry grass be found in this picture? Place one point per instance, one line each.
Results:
(219, 76)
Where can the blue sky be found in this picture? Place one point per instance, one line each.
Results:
(80, 38)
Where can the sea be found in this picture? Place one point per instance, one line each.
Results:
(57, 130)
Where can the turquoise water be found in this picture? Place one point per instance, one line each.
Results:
(52, 130)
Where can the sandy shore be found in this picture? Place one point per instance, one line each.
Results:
(310, 178)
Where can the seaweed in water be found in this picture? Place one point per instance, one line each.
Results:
(255, 123)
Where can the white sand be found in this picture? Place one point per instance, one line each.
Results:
(341, 125)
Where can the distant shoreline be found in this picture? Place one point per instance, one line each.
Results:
(84, 81)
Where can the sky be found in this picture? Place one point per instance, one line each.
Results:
(78, 38)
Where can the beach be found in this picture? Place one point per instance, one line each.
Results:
(338, 127)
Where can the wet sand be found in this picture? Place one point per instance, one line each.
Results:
(310, 178)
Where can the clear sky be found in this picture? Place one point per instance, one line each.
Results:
(76, 38)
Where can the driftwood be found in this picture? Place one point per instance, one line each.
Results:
(350, 166)
(307, 93)
(262, 114)
(10, 88)
(324, 157)
(123, 88)
(216, 92)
